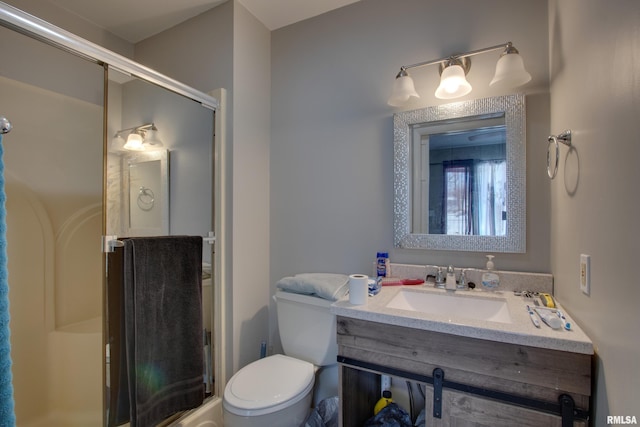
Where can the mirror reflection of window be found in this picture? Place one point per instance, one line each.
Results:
(467, 187)
(474, 198)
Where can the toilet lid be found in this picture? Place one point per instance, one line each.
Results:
(268, 385)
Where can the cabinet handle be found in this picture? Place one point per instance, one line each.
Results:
(438, 378)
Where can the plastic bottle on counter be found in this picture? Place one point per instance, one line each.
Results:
(490, 280)
(382, 264)
(384, 401)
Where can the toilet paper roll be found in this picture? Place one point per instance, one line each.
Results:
(358, 289)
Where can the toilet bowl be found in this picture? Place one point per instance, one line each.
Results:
(274, 391)
(278, 390)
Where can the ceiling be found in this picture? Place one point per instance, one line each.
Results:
(137, 20)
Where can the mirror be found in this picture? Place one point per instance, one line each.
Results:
(146, 193)
(459, 176)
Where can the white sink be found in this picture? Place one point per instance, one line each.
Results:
(470, 307)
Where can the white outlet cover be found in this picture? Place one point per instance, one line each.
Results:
(585, 274)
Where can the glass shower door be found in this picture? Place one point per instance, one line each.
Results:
(165, 187)
(54, 183)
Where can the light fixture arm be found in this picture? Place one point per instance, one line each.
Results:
(505, 46)
(145, 127)
(510, 73)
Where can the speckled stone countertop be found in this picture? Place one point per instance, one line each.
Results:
(520, 331)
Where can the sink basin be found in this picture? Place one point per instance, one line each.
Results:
(470, 307)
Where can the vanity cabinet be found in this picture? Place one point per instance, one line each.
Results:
(469, 381)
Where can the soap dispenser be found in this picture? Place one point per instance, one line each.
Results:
(490, 280)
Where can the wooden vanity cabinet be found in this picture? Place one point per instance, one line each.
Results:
(475, 382)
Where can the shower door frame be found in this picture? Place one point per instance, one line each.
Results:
(36, 28)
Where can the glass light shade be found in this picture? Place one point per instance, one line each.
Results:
(134, 142)
(453, 83)
(117, 144)
(151, 138)
(510, 72)
(403, 89)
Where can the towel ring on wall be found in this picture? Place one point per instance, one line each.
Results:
(146, 199)
(565, 138)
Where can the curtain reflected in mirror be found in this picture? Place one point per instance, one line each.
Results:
(467, 188)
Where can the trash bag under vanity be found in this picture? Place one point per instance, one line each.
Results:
(325, 414)
(391, 415)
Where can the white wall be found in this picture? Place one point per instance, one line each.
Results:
(230, 48)
(594, 203)
(210, 66)
(251, 193)
(332, 131)
(62, 18)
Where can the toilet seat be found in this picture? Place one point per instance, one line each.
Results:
(268, 385)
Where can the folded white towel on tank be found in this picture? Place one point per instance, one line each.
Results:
(330, 286)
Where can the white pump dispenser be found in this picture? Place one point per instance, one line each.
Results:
(490, 280)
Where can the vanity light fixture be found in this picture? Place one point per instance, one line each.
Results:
(139, 138)
(510, 72)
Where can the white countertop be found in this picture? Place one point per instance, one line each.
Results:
(521, 331)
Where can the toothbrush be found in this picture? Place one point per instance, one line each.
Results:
(566, 324)
(532, 315)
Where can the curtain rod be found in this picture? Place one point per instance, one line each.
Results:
(37, 28)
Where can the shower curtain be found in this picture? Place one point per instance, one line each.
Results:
(7, 415)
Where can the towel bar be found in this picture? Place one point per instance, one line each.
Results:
(109, 243)
(210, 239)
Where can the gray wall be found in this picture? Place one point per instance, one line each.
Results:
(332, 131)
(594, 203)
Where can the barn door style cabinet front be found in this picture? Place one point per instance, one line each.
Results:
(469, 382)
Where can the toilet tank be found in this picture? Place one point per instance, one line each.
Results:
(307, 328)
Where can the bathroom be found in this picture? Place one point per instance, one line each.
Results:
(309, 107)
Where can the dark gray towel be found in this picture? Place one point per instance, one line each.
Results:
(163, 326)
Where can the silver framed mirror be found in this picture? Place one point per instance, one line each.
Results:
(146, 193)
(460, 176)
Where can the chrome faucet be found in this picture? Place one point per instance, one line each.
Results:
(451, 279)
(440, 278)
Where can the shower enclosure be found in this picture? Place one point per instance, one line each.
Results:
(72, 191)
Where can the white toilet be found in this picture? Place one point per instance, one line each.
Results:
(278, 390)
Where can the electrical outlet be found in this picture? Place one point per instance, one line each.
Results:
(585, 274)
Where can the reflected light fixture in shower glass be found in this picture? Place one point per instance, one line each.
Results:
(134, 142)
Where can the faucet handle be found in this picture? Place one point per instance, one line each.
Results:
(462, 283)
